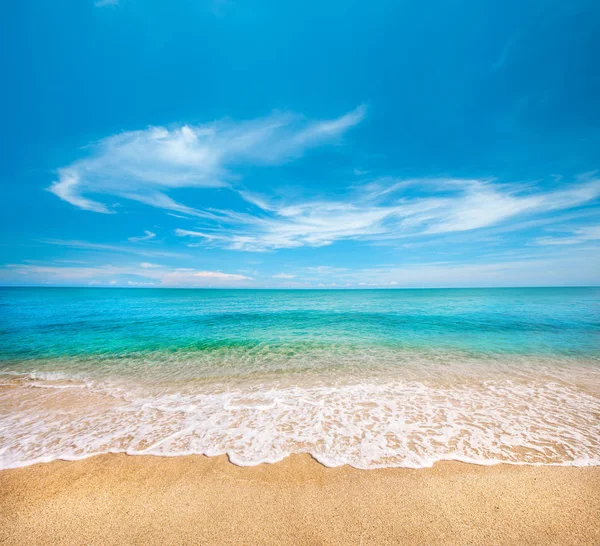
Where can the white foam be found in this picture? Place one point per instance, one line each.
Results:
(367, 425)
(58, 386)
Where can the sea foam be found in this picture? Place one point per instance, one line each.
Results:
(367, 425)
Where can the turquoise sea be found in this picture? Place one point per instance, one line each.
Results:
(364, 377)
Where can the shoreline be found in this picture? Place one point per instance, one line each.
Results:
(122, 499)
(230, 460)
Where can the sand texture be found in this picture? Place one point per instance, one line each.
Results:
(117, 499)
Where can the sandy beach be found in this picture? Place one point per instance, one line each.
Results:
(118, 499)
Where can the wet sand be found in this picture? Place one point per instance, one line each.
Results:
(117, 499)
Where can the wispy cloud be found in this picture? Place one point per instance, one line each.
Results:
(385, 212)
(145, 165)
(569, 269)
(145, 274)
(150, 165)
(327, 270)
(578, 236)
(84, 245)
(219, 275)
(146, 237)
(103, 3)
(579, 266)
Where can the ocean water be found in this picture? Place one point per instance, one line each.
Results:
(371, 378)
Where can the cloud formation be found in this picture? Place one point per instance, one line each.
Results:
(578, 236)
(145, 274)
(565, 266)
(385, 211)
(145, 165)
(146, 237)
(149, 166)
(85, 245)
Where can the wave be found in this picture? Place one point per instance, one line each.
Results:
(371, 424)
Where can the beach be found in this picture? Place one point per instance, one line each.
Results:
(282, 417)
(312, 273)
(120, 499)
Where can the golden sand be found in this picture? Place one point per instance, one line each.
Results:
(117, 499)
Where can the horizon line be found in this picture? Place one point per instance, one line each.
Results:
(321, 288)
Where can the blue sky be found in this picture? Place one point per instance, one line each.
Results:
(300, 144)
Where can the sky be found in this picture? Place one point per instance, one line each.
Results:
(235, 143)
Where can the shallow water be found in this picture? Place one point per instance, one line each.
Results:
(369, 378)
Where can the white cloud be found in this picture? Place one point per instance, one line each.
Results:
(326, 269)
(385, 214)
(105, 275)
(84, 245)
(579, 265)
(182, 277)
(219, 275)
(49, 274)
(578, 236)
(145, 165)
(569, 267)
(148, 265)
(67, 188)
(284, 276)
(581, 269)
(483, 205)
(146, 237)
(307, 224)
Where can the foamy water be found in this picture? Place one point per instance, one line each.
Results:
(363, 399)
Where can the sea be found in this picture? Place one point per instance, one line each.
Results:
(368, 378)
